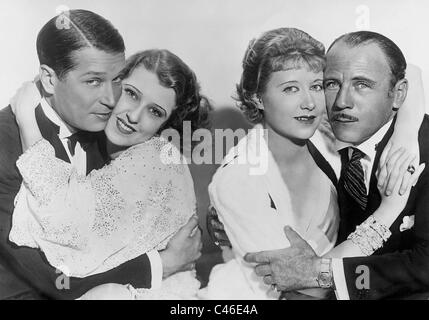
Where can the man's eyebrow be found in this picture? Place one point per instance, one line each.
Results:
(94, 73)
(331, 78)
(363, 78)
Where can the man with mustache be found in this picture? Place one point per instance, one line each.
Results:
(364, 86)
(81, 56)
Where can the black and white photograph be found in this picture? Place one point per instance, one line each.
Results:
(214, 150)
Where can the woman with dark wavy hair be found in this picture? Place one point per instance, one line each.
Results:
(88, 225)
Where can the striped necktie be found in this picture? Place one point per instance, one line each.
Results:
(354, 181)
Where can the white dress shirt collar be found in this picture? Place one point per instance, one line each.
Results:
(78, 160)
(368, 146)
(65, 130)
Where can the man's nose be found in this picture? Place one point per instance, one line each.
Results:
(109, 96)
(344, 100)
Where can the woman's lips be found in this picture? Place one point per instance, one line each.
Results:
(123, 127)
(305, 119)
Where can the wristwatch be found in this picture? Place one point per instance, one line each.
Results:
(325, 278)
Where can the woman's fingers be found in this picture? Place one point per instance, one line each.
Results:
(390, 165)
(382, 175)
(412, 179)
(12, 103)
(382, 170)
(29, 93)
(415, 177)
(16, 99)
(405, 183)
(32, 92)
(36, 78)
(385, 154)
(398, 172)
(406, 177)
(26, 97)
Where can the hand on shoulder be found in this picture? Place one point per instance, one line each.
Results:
(24, 101)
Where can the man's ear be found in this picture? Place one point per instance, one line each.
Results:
(399, 94)
(48, 79)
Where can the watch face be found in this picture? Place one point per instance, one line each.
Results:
(324, 277)
(324, 280)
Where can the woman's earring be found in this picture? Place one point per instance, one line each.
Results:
(394, 108)
(259, 103)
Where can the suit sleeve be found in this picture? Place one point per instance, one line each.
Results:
(30, 264)
(401, 272)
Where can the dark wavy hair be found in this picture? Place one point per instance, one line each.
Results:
(173, 73)
(275, 50)
(56, 44)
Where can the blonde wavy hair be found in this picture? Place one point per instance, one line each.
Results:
(275, 50)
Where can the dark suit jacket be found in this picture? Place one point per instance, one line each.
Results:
(401, 266)
(25, 269)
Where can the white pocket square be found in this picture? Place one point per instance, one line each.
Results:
(407, 223)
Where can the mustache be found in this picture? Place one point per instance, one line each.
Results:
(342, 115)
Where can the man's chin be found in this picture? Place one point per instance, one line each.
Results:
(94, 129)
(346, 135)
(94, 126)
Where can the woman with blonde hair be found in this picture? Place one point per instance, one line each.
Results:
(282, 92)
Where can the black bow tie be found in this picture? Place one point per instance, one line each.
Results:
(85, 138)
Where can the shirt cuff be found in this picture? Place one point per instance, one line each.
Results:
(156, 268)
(340, 280)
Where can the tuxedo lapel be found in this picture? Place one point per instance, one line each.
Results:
(50, 131)
(322, 163)
(96, 154)
(374, 197)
